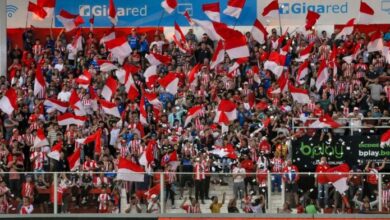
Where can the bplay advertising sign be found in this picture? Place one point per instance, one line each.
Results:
(357, 149)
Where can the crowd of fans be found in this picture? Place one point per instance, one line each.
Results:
(261, 135)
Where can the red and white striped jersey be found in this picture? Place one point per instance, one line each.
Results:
(28, 190)
(199, 171)
(278, 164)
(103, 201)
(136, 147)
(38, 159)
(123, 150)
(89, 165)
(99, 181)
(170, 176)
(348, 69)
(4, 207)
(37, 49)
(28, 139)
(26, 209)
(191, 209)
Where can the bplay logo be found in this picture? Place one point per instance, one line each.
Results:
(102, 10)
(303, 7)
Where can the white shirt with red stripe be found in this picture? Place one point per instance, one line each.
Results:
(89, 165)
(26, 209)
(199, 171)
(28, 190)
(135, 147)
(99, 181)
(40, 157)
(103, 202)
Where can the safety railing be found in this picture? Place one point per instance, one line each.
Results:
(216, 192)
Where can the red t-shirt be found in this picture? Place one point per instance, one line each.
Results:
(322, 168)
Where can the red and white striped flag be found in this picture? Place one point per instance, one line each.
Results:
(169, 5)
(218, 56)
(259, 33)
(194, 71)
(322, 75)
(180, 37)
(55, 151)
(142, 111)
(110, 35)
(69, 21)
(366, 13)
(151, 76)
(192, 113)
(325, 121)
(37, 11)
(385, 139)
(110, 108)
(40, 139)
(71, 119)
(236, 47)
(347, 29)
(376, 42)
(76, 104)
(212, 11)
(129, 171)
(39, 82)
(56, 104)
(106, 66)
(271, 10)
(112, 12)
(234, 8)
(84, 79)
(8, 103)
(299, 95)
(119, 48)
(302, 72)
(74, 160)
(274, 64)
(157, 59)
(48, 6)
(109, 88)
(170, 83)
(305, 53)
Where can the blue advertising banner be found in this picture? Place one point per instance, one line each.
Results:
(147, 13)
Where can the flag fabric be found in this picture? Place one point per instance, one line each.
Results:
(385, 139)
(39, 82)
(271, 10)
(155, 190)
(236, 47)
(227, 109)
(129, 171)
(91, 22)
(157, 59)
(283, 82)
(40, 139)
(151, 76)
(386, 51)
(48, 6)
(347, 29)
(311, 19)
(170, 83)
(38, 12)
(299, 95)
(366, 13)
(74, 160)
(259, 33)
(303, 71)
(218, 56)
(322, 75)
(111, 35)
(180, 37)
(8, 103)
(110, 108)
(355, 53)
(274, 64)
(173, 160)
(376, 42)
(69, 21)
(76, 104)
(152, 98)
(95, 137)
(142, 112)
(208, 28)
(71, 119)
(194, 71)
(109, 88)
(147, 156)
(56, 104)
(112, 16)
(119, 48)
(131, 88)
(84, 79)
(192, 113)
(227, 151)
(325, 121)
(126, 70)
(169, 5)
(338, 176)
(212, 11)
(234, 8)
(305, 53)
(106, 66)
(55, 151)
(188, 18)
(77, 43)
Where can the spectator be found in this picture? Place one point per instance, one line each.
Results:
(322, 182)
(134, 206)
(27, 207)
(215, 207)
(193, 207)
(372, 177)
(232, 206)
(291, 177)
(154, 205)
(238, 181)
(311, 208)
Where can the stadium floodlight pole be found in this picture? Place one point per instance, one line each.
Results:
(3, 38)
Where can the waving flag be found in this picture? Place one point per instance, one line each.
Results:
(119, 48)
(74, 160)
(194, 71)
(71, 119)
(355, 53)
(55, 151)
(39, 82)
(366, 13)
(131, 88)
(325, 122)
(106, 66)
(311, 19)
(170, 83)
(151, 76)
(56, 104)
(208, 28)
(299, 95)
(85, 79)
(40, 139)
(385, 139)
(234, 8)
(110, 35)
(376, 42)
(303, 71)
(157, 59)
(110, 108)
(129, 171)
(112, 12)
(236, 47)
(305, 53)
(48, 6)
(271, 10)
(274, 64)
(69, 21)
(152, 98)
(192, 113)
(77, 43)
(169, 5)
(142, 111)
(76, 104)
(8, 103)
(95, 137)
(347, 29)
(38, 12)
(339, 177)
(212, 11)
(226, 112)
(322, 75)
(259, 33)
(218, 56)
(109, 88)
(155, 190)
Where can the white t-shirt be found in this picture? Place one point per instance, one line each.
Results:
(72, 51)
(64, 96)
(114, 133)
(240, 178)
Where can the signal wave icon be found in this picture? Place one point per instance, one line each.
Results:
(11, 9)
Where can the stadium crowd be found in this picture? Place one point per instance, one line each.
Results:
(260, 136)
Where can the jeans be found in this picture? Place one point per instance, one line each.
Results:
(323, 193)
(238, 190)
(276, 180)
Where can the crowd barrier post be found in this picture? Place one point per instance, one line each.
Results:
(283, 191)
(380, 192)
(55, 194)
(123, 199)
(269, 190)
(162, 191)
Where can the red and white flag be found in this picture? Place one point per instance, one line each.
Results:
(192, 113)
(170, 83)
(55, 151)
(37, 11)
(188, 18)
(111, 35)
(355, 53)
(172, 160)
(95, 137)
(274, 64)
(236, 47)
(259, 33)
(142, 112)
(271, 10)
(77, 43)
(227, 108)
(119, 48)
(303, 71)
(180, 37)
(305, 53)
(157, 59)
(110, 108)
(8, 103)
(385, 139)
(152, 98)
(386, 51)
(147, 156)
(48, 6)
(338, 176)
(347, 29)
(322, 75)
(151, 76)
(40, 139)
(131, 88)
(106, 66)
(283, 82)
(129, 171)
(169, 5)
(39, 82)
(208, 28)
(194, 71)
(127, 69)
(56, 104)
(376, 42)
(74, 160)
(299, 95)
(366, 13)
(109, 88)
(76, 104)
(227, 151)
(155, 190)
(325, 121)
(71, 119)
(212, 11)
(84, 79)
(112, 12)
(218, 56)
(234, 8)
(311, 19)
(69, 21)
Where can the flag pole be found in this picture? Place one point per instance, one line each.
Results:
(51, 27)
(280, 23)
(161, 17)
(26, 19)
